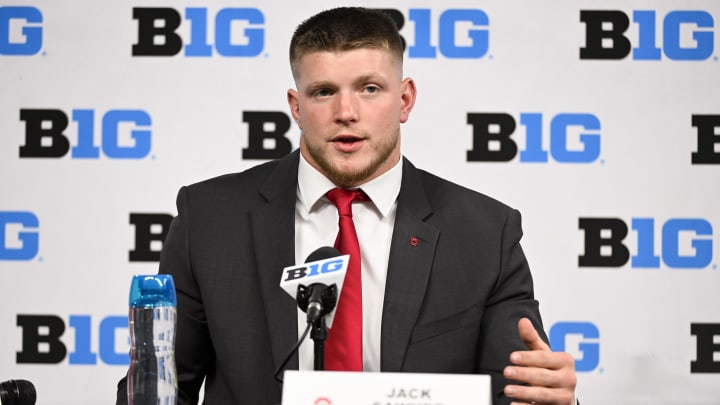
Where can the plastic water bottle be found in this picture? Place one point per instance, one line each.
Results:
(152, 377)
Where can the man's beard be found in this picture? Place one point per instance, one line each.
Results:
(347, 179)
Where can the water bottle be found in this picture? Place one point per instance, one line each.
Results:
(152, 377)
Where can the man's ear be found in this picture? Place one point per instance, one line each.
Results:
(407, 96)
(294, 104)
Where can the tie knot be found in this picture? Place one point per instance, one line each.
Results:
(343, 199)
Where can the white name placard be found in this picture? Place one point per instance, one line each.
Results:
(366, 388)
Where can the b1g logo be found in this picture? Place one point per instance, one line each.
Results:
(657, 35)
(41, 343)
(45, 135)
(707, 357)
(585, 340)
(686, 243)
(461, 33)
(708, 139)
(314, 269)
(492, 138)
(150, 233)
(19, 237)
(21, 30)
(158, 32)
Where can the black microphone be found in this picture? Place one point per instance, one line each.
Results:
(318, 299)
(17, 392)
(322, 253)
(315, 285)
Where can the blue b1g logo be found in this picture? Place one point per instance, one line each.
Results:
(20, 30)
(158, 32)
(315, 269)
(453, 33)
(46, 137)
(494, 138)
(42, 343)
(657, 35)
(684, 243)
(589, 345)
(19, 238)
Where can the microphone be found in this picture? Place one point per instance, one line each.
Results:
(317, 283)
(17, 392)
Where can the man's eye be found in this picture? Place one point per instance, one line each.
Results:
(322, 93)
(372, 89)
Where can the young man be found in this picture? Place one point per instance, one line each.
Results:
(445, 285)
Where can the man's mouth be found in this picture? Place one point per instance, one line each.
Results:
(348, 143)
(347, 139)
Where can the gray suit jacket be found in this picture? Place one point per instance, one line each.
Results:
(452, 302)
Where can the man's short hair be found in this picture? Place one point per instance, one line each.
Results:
(344, 29)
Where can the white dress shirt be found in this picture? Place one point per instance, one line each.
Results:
(316, 225)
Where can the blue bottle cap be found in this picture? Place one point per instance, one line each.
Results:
(150, 291)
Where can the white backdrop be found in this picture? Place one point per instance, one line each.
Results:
(66, 231)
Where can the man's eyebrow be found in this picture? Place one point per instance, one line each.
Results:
(320, 83)
(368, 77)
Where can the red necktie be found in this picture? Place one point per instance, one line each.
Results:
(343, 347)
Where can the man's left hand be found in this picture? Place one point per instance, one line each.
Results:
(550, 375)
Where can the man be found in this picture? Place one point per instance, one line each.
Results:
(445, 285)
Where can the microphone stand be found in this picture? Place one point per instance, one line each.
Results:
(319, 334)
(317, 300)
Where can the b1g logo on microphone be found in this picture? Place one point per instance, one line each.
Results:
(42, 344)
(580, 339)
(125, 134)
(685, 243)
(452, 33)
(708, 139)
(681, 35)
(228, 32)
(572, 138)
(19, 237)
(313, 269)
(327, 271)
(21, 31)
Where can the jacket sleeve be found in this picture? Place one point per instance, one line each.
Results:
(511, 299)
(194, 354)
(193, 348)
(121, 397)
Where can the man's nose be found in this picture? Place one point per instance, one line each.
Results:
(346, 107)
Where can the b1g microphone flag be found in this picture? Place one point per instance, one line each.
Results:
(319, 269)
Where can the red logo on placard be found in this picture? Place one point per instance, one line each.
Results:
(322, 401)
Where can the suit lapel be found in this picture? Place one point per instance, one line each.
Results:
(411, 255)
(273, 229)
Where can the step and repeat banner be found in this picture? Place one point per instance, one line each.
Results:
(598, 120)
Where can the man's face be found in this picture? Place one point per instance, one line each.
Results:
(349, 106)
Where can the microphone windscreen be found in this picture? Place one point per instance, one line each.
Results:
(322, 253)
(17, 392)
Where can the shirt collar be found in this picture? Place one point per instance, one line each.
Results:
(383, 190)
